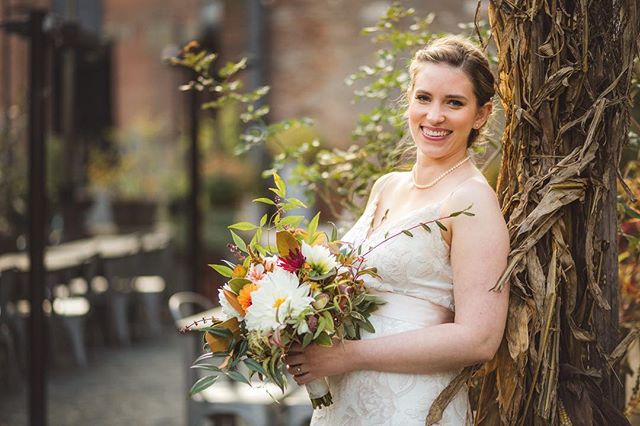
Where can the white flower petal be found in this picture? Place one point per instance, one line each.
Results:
(319, 258)
(279, 299)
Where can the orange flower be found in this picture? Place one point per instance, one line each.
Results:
(238, 272)
(244, 296)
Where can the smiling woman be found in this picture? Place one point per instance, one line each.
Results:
(440, 314)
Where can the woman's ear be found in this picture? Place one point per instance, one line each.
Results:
(483, 115)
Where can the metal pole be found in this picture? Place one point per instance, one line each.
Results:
(257, 42)
(194, 208)
(5, 124)
(37, 355)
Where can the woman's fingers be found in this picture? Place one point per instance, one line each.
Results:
(303, 379)
(296, 370)
(296, 347)
(293, 359)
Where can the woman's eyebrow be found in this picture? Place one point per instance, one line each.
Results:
(452, 96)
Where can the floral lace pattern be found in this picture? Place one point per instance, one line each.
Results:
(418, 266)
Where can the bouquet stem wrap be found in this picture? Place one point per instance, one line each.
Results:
(319, 393)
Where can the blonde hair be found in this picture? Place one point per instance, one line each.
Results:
(459, 52)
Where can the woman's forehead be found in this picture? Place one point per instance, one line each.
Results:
(443, 79)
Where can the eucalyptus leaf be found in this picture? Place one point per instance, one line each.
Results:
(202, 384)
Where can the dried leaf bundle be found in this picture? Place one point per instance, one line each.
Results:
(564, 71)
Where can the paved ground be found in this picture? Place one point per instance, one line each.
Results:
(138, 385)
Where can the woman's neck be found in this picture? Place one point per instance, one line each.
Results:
(428, 168)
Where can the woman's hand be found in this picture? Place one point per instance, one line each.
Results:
(317, 361)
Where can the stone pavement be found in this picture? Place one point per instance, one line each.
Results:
(139, 385)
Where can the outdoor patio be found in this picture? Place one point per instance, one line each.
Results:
(139, 385)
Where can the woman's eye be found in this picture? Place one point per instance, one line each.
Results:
(456, 103)
(422, 98)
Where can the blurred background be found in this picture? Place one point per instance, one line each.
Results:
(126, 157)
(132, 185)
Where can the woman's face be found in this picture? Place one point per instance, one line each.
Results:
(442, 111)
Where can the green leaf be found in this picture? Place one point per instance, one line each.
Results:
(282, 187)
(243, 226)
(440, 225)
(311, 229)
(350, 329)
(320, 329)
(324, 340)
(468, 213)
(263, 220)
(296, 202)
(238, 377)
(367, 326)
(293, 221)
(253, 365)
(236, 284)
(425, 227)
(329, 326)
(334, 231)
(323, 276)
(202, 384)
(357, 316)
(406, 232)
(225, 271)
(264, 200)
(207, 367)
(239, 242)
(308, 338)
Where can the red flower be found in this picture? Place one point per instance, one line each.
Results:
(292, 262)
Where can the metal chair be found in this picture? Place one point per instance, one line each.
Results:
(253, 405)
(149, 290)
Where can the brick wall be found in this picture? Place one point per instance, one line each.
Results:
(314, 45)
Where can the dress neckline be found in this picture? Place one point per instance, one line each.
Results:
(371, 231)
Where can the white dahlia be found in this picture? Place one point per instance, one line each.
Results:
(279, 299)
(319, 258)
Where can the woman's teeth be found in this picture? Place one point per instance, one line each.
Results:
(435, 134)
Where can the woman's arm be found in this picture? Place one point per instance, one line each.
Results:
(479, 249)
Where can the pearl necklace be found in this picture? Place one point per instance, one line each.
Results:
(436, 180)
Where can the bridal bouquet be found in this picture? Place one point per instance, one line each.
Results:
(304, 287)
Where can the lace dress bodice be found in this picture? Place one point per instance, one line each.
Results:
(417, 267)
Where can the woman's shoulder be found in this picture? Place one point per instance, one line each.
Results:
(385, 180)
(476, 192)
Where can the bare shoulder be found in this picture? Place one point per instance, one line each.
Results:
(477, 194)
(487, 222)
(383, 181)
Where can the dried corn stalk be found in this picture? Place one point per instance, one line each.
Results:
(564, 77)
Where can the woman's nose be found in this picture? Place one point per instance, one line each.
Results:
(435, 114)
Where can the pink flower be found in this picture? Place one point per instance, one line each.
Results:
(256, 273)
(292, 262)
(270, 263)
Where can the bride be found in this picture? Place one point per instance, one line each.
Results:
(441, 314)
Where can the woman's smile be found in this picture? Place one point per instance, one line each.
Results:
(435, 133)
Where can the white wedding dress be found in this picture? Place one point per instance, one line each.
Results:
(417, 284)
